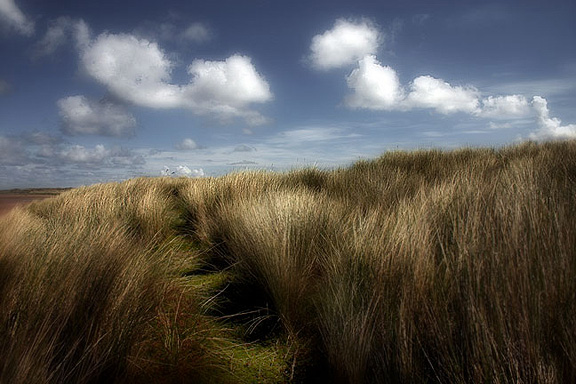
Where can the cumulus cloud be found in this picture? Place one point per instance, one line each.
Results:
(344, 44)
(139, 72)
(505, 107)
(81, 154)
(226, 89)
(187, 145)
(430, 92)
(375, 86)
(550, 127)
(60, 32)
(83, 116)
(197, 33)
(14, 18)
(135, 70)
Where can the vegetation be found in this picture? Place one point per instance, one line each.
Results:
(425, 266)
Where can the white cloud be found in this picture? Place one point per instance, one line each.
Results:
(344, 44)
(59, 32)
(81, 154)
(197, 33)
(375, 86)
(135, 70)
(505, 107)
(138, 71)
(550, 127)
(187, 145)
(433, 93)
(226, 88)
(183, 170)
(82, 116)
(13, 17)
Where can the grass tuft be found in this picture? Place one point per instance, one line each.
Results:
(425, 266)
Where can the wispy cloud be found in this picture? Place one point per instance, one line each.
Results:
(13, 18)
(60, 32)
(187, 145)
(174, 31)
(197, 33)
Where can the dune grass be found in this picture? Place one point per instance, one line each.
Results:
(425, 266)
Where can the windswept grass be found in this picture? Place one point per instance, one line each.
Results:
(425, 266)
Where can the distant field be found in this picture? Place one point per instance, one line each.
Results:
(11, 198)
(416, 267)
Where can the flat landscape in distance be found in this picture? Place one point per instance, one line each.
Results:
(12, 197)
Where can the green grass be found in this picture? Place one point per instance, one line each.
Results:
(425, 266)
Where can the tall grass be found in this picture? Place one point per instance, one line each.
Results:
(425, 266)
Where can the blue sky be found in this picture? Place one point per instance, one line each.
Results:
(97, 91)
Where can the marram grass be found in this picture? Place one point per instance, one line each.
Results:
(425, 266)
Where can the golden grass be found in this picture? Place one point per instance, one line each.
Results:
(423, 266)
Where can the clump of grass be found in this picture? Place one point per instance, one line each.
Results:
(425, 266)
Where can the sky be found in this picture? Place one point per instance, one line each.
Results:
(100, 91)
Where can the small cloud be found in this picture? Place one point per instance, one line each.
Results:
(12, 17)
(347, 42)
(550, 127)
(183, 170)
(187, 145)
(433, 93)
(226, 88)
(375, 86)
(244, 148)
(197, 33)
(81, 154)
(83, 116)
